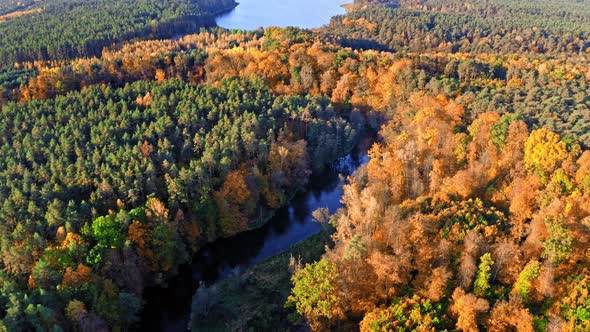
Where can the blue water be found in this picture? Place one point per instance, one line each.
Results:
(252, 14)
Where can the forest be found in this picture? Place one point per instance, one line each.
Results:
(220, 158)
(118, 164)
(484, 228)
(62, 29)
(453, 26)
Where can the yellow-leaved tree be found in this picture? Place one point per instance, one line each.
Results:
(544, 151)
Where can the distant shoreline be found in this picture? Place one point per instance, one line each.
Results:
(225, 10)
(349, 7)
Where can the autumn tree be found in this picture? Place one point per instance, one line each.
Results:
(154, 235)
(506, 316)
(76, 310)
(77, 277)
(544, 152)
(583, 173)
(231, 201)
(468, 307)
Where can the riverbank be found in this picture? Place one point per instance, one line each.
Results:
(168, 306)
(255, 299)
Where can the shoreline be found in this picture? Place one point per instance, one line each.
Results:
(270, 284)
(178, 277)
(349, 7)
(224, 10)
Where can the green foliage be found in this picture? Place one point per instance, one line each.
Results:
(469, 214)
(484, 24)
(481, 285)
(45, 275)
(558, 245)
(560, 180)
(583, 313)
(575, 304)
(523, 284)
(405, 314)
(95, 256)
(14, 77)
(164, 244)
(41, 318)
(229, 125)
(356, 249)
(138, 214)
(342, 55)
(314, 290)
(540, 324)
(81, 28)
(499, 131)
(106, 302)
(108, 232)
(111, 151)
(59, 257)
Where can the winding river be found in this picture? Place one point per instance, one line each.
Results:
(168, 309)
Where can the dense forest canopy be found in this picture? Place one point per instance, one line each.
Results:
(219, 157)
(118, 164)
(494, 27)
(61, 29)
(477, 228)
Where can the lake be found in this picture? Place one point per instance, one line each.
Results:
(168, 308)
(252, 14)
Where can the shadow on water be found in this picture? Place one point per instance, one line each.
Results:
(168, 309)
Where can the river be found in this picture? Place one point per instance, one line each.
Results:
(308, 14)
(168, 309)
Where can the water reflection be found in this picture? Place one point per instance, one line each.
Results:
(168, 309)
(252, 14)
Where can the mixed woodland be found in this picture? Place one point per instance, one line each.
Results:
(63, 29)
(118, 164)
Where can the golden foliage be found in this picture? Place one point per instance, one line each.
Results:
(76, 310)
(468, 308)
(511, 316)
(544, 151)
(76, 278)
(156, 210)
